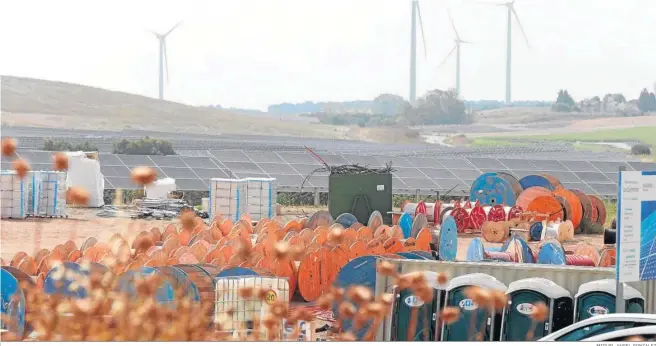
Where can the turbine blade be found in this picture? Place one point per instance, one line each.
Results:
(453, 25)
(173, 28)
(520, 26)
(463, 41)
(421, 26)
(447, 57)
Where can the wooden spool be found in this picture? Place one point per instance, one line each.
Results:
(495, 232)
(18, 257)
(562, 231)
(424, 240)
(575, 211)
(548, 205)
(91, 241)
(586, 205)
(589, 251)
(393, 245)
(311, 274)
(528, 195)
(601, 209)
(607, 257)
(358, 249)
(28, 266)
(553, 180)
(495, 213)
(579, 261)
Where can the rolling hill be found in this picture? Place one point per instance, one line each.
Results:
(42, 103)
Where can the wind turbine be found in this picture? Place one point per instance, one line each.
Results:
(511, 11)
(416, 12)
(456, 49)
(163, 59)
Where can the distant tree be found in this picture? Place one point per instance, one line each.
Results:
(438, 107)
(143, 146)
(640, 149)
(59, 145)
(389, 104)
(647, 101)
(565, 98)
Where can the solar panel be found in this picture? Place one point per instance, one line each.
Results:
(277, 168)
(207, 173)
(424, 162)
(590, 177)
(438, 173)
(243, 167)
(398, 184)
(264, 156)
(522, 173)
(199, 162)
(179, 173)
(362, 160)
(565, 177)
(579, 166)
(643, 166)
(581, 187)
(110, 160)
(168, 161)
(395, 160)
(297, 158)
(230, 155)
(514, 164)
(318, 181)
(455, 163)
(136, 160)
(548, 165)
(448, 184)
(403, 172)
(604, 189)
(108, 185)
(122, 183)
(334, 160)
(191, 185)
(419, 183)
(115, 171)
(487, 163)
(293, 180)
(468, 174)
(41, 166)
(610, 167)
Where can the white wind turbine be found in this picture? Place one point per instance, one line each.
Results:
(456, 49)
(511, 11)
(163, 59)
(416, 12)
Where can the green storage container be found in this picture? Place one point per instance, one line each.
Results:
(360, 195)
(598, 298)
(482, 316)
(427, 320)
(522, 297)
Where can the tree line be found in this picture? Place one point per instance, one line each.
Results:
(142, 146)
(612, 103)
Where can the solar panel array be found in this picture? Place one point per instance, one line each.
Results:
(412, 173)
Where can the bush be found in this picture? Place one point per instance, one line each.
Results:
(59, 145)
(640, 149)
(144, 146)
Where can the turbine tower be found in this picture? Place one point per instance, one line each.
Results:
(511, 11)
(163, 59)
(416, 13)
(456, 49)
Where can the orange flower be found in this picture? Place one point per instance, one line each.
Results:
(479, 295)
(21, 167)
(77, 195)
(442, 279)
(386, 269)
(540, 312)
(143, 175)
(450, 315)
(60, 161)
(499, 300)
(8, 146)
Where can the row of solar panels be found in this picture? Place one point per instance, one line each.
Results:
(427, 174)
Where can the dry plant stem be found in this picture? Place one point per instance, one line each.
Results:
(425, 328)
(530, 334)
(472, 324)
(412, 327)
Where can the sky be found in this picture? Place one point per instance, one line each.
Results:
(253, 53)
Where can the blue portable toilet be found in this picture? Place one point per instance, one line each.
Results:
(598, 298)
(522, 297)
(427, 321)
(455, 296)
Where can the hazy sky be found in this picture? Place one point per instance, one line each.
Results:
(252, 53)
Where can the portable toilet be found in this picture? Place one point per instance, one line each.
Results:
(482, 316)
(522, 297)
(427, 312)
(598, 298)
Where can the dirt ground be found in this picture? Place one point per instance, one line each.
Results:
(31, 235)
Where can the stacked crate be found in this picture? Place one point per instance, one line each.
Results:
(47, 194)
(228, 198)
(13, 199)
(261, 198)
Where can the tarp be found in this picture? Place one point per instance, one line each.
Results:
(160, 188)
(85, 173)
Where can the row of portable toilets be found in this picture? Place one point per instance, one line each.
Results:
(514, 323)
(209, 284)
(200, 282)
